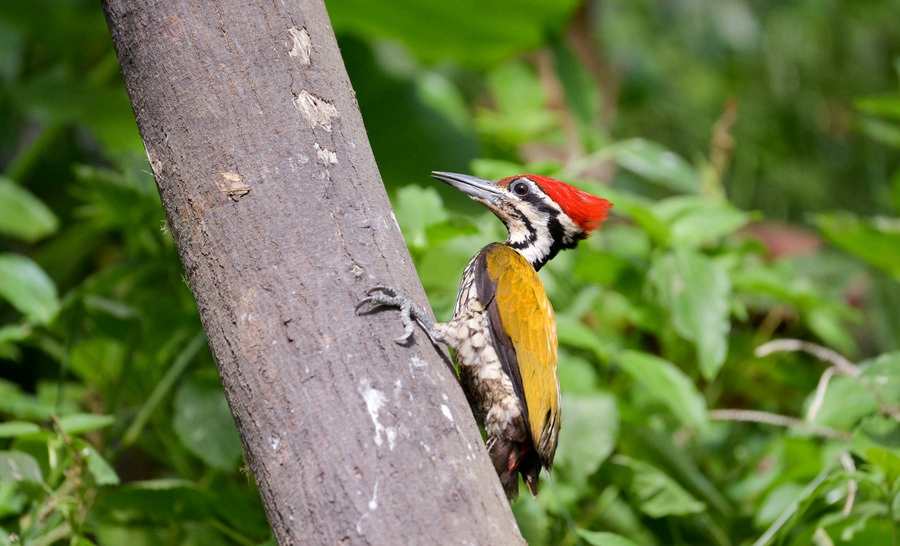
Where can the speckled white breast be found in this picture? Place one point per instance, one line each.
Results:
(488, 387)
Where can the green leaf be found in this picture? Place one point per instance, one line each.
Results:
(574, 333)
(658, 495)
(417, 208)
(495, 169)
(876, 431)
(829, 323)
(10, 336)
(695, 221)
(659, 449)
(895, 192)
(656, 164)
(663, 381)
(23, 406)
(244, 511)
(643, 212)
(12, 429)
(205, 534)
(163, 387)
(456, 226)
(696, 292)
(866, 526)
(99, 467)
(79, 423)
(521, 114)
(166, 500)
(887, 106)
(115, 308)
(13, 333)
(846, 402)
(880, 130)
(883, 375)
(874, 241)
(204, 423)
(577, 376)
(440, 94)
(589, 434)
(478, 33)
(602, 268)
(132, 535)
(22, 215)
(776, 502)
(581, 91)
(533, 519)
(887, 461)
(25, 285)
(98, 361)
(19, 467)
(604, 539)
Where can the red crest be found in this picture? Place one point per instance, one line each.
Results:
(586, 210)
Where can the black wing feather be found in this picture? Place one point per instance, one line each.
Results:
(503, 345)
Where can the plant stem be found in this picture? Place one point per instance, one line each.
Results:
(26, 158)
(163, 387)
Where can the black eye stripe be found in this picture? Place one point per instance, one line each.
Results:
(542, 229)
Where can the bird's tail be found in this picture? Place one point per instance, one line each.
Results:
(512, 458)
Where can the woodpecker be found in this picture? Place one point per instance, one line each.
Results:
(503, 330)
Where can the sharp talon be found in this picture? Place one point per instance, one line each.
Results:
(410, 313)
(384, 289)
(402, 340)
(360, 304)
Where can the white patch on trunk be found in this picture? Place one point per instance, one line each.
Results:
(325, 155)
(317, 112)
(302, 45)
(375, 400)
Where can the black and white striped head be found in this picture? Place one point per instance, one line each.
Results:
(542, 215)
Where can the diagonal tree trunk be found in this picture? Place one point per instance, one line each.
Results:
(282, 223)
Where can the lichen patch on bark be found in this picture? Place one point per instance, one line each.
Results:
(316, 111)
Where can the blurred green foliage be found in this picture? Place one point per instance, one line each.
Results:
(751, 149)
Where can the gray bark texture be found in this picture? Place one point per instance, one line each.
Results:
(282, 223)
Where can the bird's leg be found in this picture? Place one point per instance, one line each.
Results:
(409, 312)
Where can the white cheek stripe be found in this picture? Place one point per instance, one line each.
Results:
(540, 246)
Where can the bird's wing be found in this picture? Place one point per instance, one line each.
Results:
(524, 331)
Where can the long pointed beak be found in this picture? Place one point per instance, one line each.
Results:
(474, 187)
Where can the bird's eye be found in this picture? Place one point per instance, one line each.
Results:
(520, 188)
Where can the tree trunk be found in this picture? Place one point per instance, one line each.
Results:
(282, 223)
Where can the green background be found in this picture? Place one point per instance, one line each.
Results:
(751, 149)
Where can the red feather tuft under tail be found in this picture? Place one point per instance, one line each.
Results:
(513, 458)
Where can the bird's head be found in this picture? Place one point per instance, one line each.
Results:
(542, 215)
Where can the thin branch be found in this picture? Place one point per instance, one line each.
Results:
(821, 538)
(765, 417)
(845, 366)
(852, 485)
(819, 399)
(840, 364)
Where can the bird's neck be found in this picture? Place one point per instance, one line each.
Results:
(538, 234)
(534, 242)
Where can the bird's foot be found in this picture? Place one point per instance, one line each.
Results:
(409, 311)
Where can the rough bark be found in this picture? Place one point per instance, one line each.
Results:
(282, 223)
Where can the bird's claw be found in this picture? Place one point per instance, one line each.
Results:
(381, 288)
(388, 297)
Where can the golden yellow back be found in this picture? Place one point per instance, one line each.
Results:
(527, 318)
